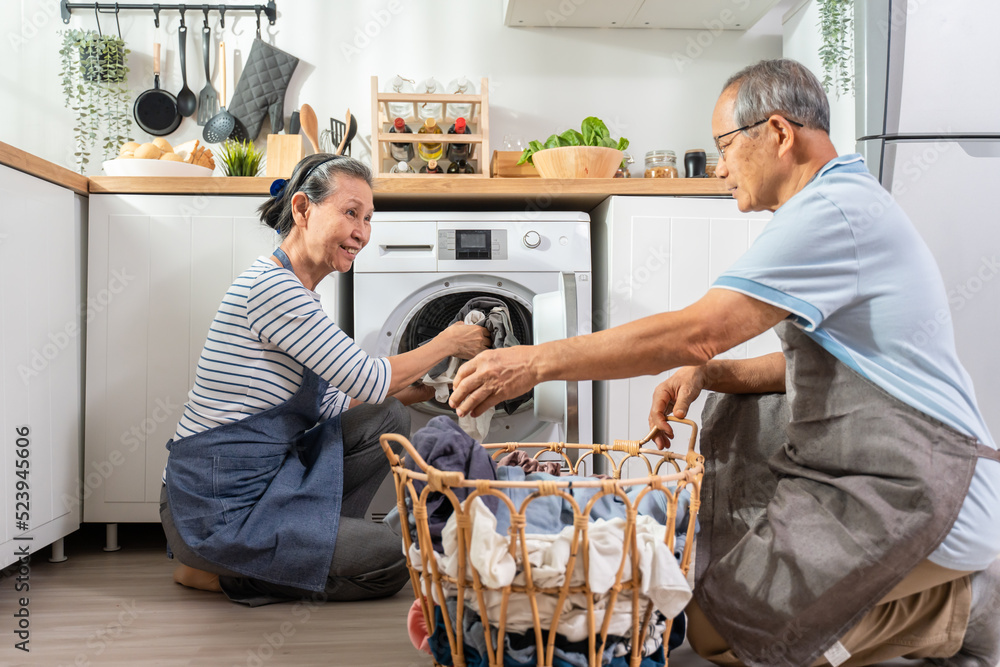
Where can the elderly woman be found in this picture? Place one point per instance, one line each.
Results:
(276, 456)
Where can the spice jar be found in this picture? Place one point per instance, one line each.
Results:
(711, 161)
(661, 164)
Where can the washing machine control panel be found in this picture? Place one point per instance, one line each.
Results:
(472, 244)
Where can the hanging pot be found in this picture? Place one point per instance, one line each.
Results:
(155, 109)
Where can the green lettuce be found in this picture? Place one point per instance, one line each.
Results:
(593, 132)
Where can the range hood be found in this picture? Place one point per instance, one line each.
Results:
(684, 14)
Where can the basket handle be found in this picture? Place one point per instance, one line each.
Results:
(670, 418)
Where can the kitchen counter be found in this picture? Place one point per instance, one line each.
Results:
(417, 193)
(15, 158)
(426, 193)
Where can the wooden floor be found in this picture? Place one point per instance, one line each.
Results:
(122, 608)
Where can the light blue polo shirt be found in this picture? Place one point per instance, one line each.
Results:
(856, 276)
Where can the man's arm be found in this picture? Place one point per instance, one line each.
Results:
(719, 321)
(760, 375)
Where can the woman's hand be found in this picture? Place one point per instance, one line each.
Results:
(674, 396)
(466, 340)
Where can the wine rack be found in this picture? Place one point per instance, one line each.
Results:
(478, 124)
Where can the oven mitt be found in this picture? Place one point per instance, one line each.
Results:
(261, 88)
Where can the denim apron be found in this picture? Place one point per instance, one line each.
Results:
(796, 548)
(262, 496)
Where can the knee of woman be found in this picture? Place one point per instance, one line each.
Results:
(398, 418)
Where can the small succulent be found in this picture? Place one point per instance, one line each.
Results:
(240, 158)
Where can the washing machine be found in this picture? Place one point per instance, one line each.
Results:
(420, 268)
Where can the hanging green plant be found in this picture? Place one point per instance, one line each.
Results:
(836, 25)
(94, 70)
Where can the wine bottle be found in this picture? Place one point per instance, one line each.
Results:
(458, 152)
(432, 167)
(460, 167)
(401, 167)
(400, 151)
(430, 151)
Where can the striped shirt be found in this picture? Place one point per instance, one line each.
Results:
(268, 328)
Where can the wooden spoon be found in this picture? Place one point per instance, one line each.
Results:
(310, 126)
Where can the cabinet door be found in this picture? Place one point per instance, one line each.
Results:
(159, 267)
(41, 346)
(658, 254)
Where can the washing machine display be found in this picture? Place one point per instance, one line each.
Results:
(420, 269)
(472, 244)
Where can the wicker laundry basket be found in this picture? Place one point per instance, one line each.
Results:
(668, 472)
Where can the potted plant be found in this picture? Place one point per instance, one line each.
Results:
(94, 69)
(836, 23)
(240, 158)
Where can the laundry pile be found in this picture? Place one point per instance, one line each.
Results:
(549, 532)
(494, 315)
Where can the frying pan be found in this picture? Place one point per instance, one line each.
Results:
(155, 109)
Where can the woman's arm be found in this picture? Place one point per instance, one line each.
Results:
(459, 340)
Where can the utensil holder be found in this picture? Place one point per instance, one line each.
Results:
(284, 151)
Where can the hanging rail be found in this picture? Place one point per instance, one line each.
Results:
(270, 10)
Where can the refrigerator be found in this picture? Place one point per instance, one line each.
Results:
(928, 123)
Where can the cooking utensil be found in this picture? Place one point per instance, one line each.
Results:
(293, 124)
(310, 126)
(186, 100)
(337, 131)
(208, 101)
(352, 129)
(155, 110)
(222, 124)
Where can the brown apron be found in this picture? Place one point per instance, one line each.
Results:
(805, 529)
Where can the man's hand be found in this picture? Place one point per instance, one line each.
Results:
(674, 396)
(493, 376)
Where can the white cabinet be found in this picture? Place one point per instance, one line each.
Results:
(159, 266)
(41, 353)
(657, 254)
(705, 15)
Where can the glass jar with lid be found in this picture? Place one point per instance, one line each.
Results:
(661, 164)
(711, 162)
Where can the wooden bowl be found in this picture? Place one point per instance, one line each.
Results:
(577, 162)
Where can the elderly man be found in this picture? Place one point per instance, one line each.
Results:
(882, 528)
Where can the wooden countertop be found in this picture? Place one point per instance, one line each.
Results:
(36, 166)
(417, 193)
(426, 193)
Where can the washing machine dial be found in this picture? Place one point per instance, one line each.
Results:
(532, 240)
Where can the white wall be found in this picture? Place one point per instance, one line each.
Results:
(542, 79)
(801, 41)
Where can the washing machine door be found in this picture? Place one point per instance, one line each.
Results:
(555, 317)
(427, 311)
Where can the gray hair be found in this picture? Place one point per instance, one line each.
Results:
(316, 177)
(783, 87)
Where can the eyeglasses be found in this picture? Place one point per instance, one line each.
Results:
(722, 149)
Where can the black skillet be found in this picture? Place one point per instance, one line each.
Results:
(155, 109)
